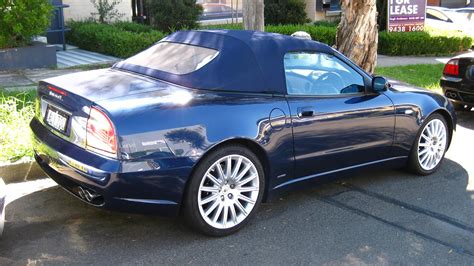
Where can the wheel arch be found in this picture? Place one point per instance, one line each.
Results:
(252, 145)
(449, 120)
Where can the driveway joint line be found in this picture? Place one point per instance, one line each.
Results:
(362, 213)
(435, 215)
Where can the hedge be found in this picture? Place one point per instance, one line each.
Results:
(125, 39)
(120, 41)
(324, 34)
(421, 43)
(396, 43)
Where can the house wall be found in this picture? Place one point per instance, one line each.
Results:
(82, 9)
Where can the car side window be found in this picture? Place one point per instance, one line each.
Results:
(320, 74)
(434, 14)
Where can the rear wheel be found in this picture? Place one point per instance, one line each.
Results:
(225, 191)
(430, 146)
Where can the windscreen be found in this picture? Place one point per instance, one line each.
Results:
(174, 58)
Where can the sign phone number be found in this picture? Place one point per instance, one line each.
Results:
(406, 15)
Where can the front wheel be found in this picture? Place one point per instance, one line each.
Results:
(430, 146)
(225, 191)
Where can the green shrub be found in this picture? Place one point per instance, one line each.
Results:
(431, 42)
(168, 15)
(22, 19)
(16, 112)
(106, 11)
(125, 39)
(133, 27)
(421, 43)
(319, 33)
(322, 34)
(285, 12)
(327, 23)
(110, 39)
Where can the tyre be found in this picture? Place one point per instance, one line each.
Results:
(430, 146)
(224, 191)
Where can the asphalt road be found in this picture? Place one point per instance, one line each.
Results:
(380, 217)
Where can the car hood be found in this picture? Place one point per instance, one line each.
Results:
(400, 86)
(465, 55)
(102, 84)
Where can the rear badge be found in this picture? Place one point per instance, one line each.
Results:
(57, 96)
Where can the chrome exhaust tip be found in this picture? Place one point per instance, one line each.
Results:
(451, 95)
(86, 194)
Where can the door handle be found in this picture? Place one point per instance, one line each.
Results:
(306, 111)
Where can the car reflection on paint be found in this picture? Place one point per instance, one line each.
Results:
(209, 124)
(3, 193)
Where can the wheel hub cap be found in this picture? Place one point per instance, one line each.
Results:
(228, 192)
(432, 144)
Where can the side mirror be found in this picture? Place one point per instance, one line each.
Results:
(380, 84)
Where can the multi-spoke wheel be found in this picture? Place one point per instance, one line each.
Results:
(430, 146)
(225, 190)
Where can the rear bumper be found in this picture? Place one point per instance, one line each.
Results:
(457, 93)
(140, 186)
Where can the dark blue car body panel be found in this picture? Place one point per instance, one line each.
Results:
(166, 125)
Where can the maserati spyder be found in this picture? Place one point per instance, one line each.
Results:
(208, 124)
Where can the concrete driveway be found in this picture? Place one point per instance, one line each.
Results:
(380, 217)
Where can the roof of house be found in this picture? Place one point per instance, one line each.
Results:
(248, 61)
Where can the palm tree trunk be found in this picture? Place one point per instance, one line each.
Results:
(253, 15)
(357, 33)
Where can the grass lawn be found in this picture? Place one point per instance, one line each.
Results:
(16, 112)
(426, 76)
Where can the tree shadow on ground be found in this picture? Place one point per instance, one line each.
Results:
(50, 226)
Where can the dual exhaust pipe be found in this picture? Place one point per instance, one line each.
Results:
(452, 95)
(87, 194)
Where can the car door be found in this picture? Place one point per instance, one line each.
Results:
(336, 123)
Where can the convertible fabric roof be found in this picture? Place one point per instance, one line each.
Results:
(248, 61)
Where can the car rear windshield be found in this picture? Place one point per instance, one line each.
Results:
(175, 58)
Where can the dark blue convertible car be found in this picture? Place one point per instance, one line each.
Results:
(209, 124)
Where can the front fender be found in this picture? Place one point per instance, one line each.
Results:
(412, 107)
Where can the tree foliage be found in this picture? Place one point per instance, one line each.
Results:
(22, 19)
(168, 15)
(382, 14)
(285, 12)
(106, 11)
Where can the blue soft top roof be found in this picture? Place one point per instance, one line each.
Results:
(248, 61)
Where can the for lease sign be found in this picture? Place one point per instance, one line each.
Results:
(406, 15)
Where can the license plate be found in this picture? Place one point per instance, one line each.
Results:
(56, 118)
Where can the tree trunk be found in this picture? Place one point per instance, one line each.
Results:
(357, 33)
(253, 15)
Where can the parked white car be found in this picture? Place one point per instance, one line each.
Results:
(448, 19)
(467, 12)
(3, 192)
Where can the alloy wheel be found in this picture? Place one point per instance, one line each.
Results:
(228, 191)
(432, 144)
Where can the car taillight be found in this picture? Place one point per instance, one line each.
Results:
(101, 133)
(452, 68)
